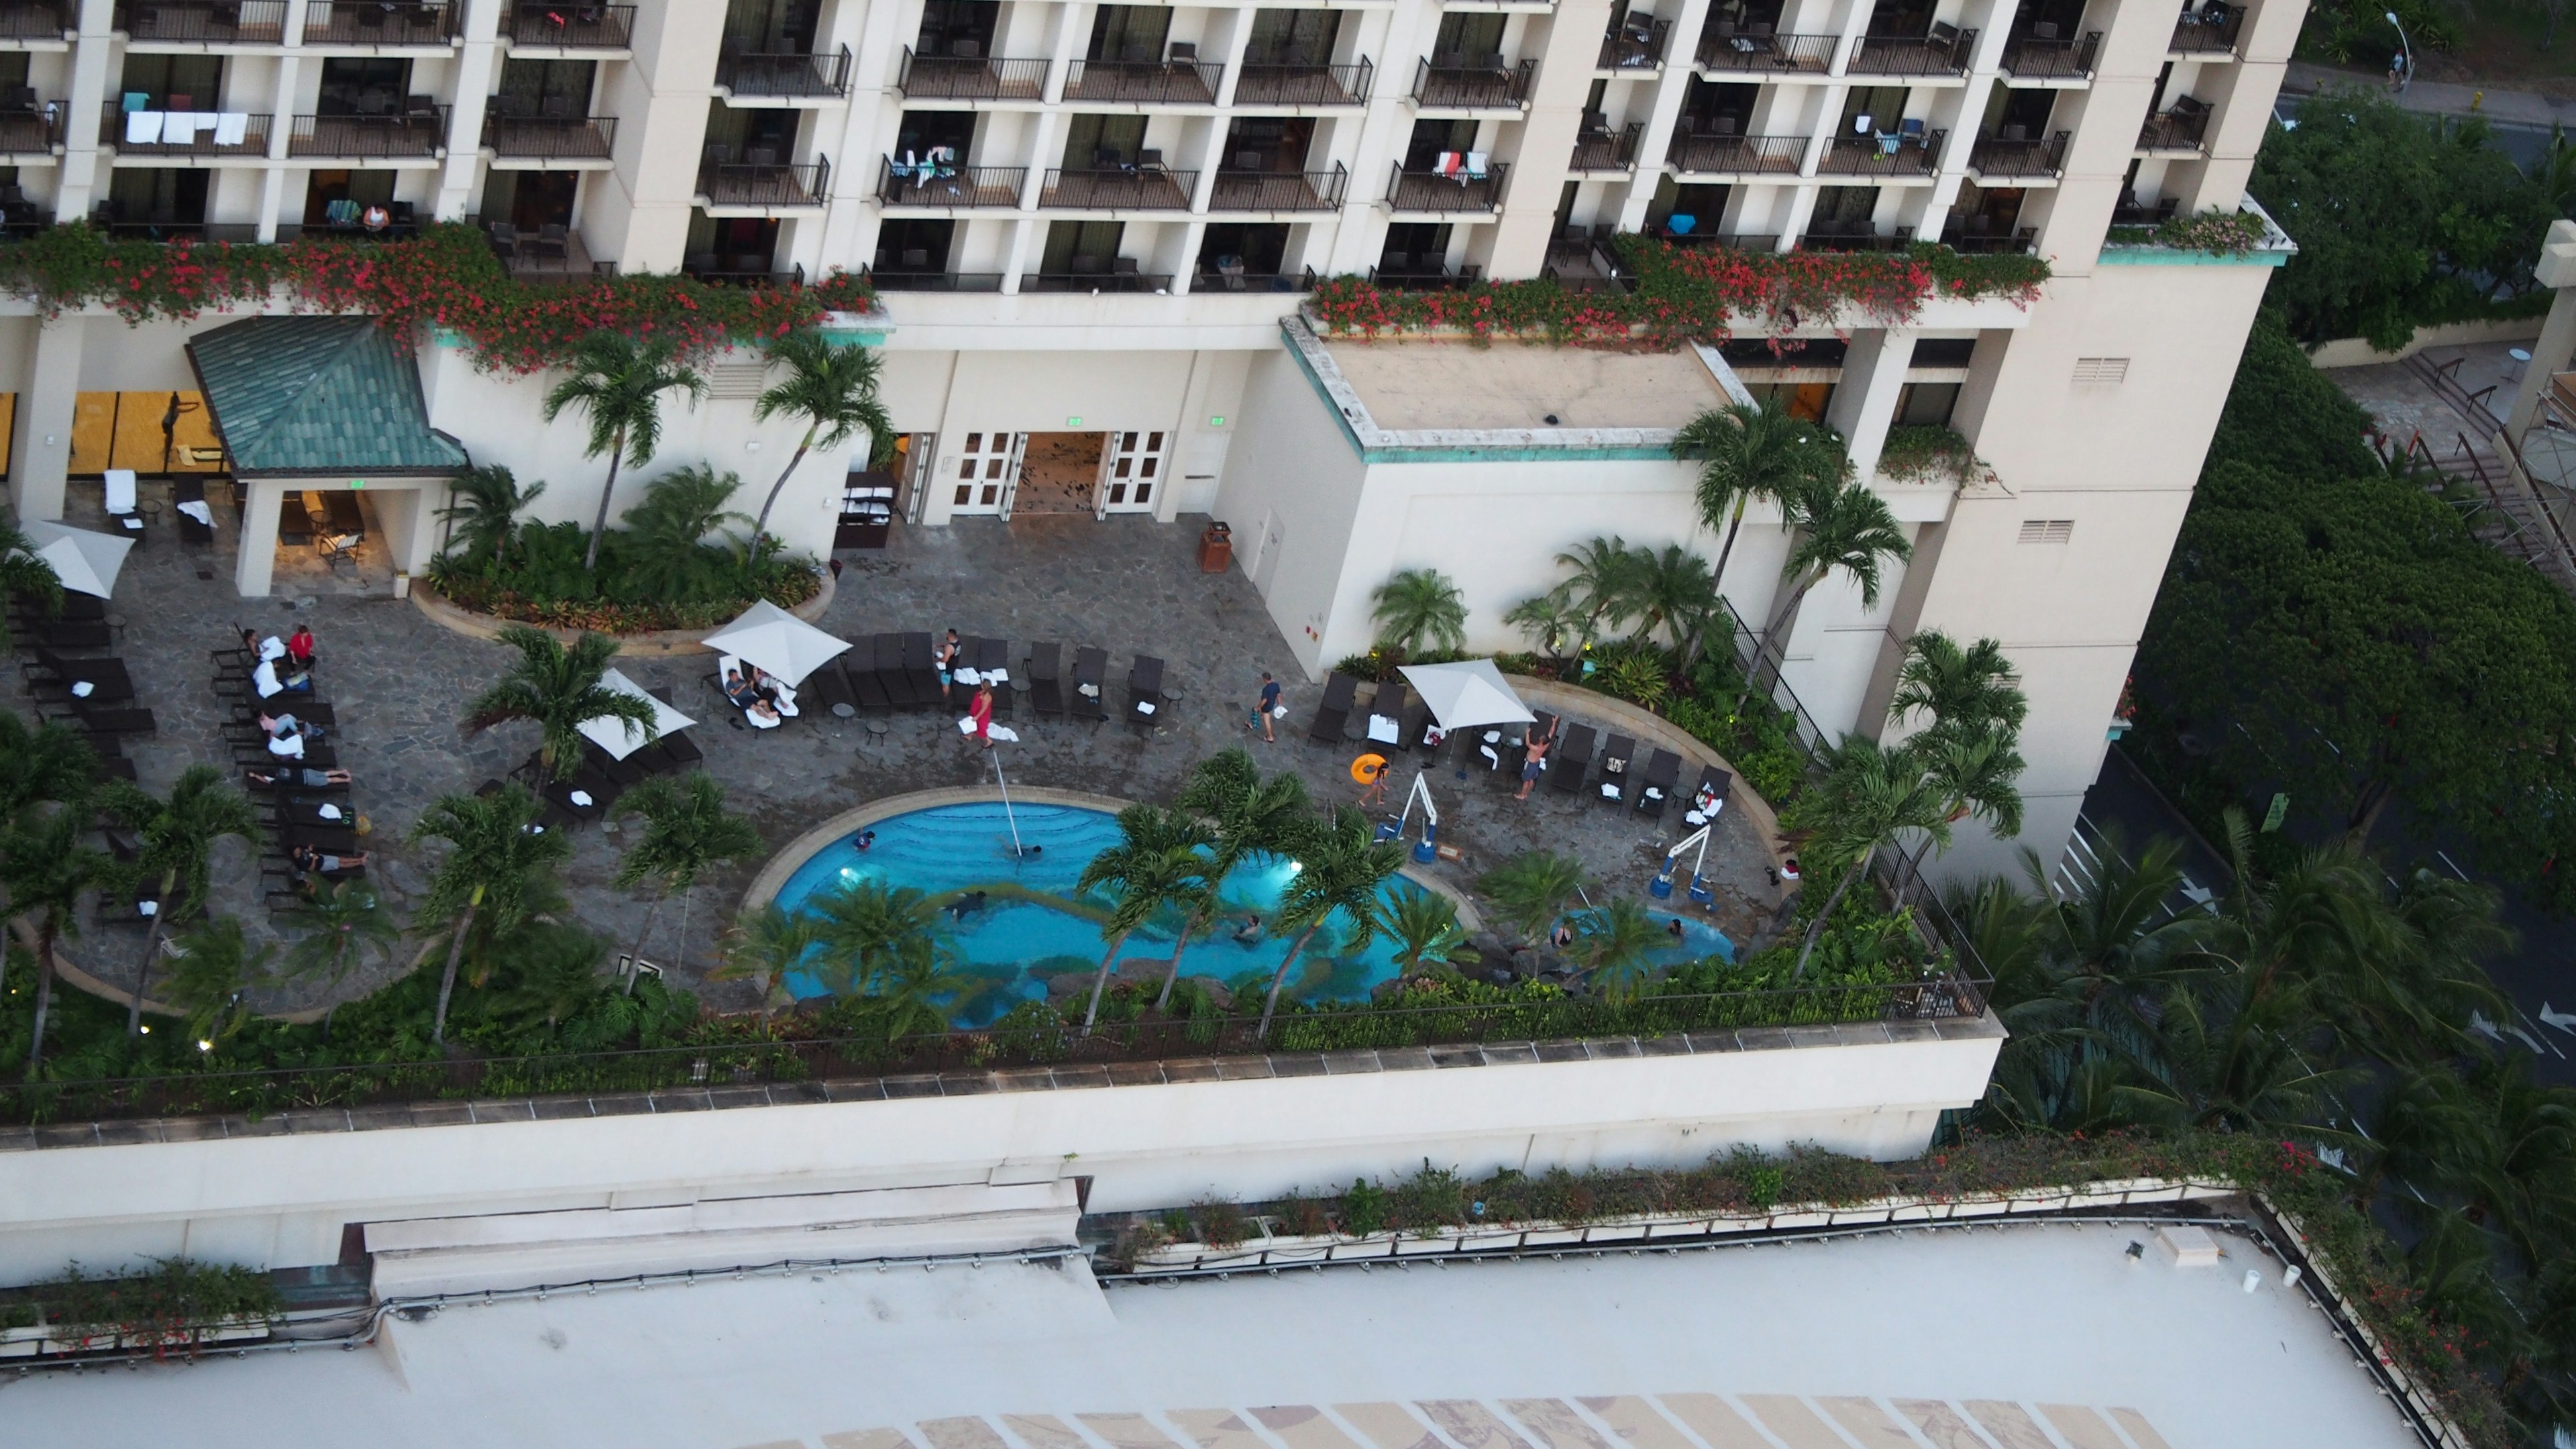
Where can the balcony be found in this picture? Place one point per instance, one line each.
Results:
(149, 133)
(1607, 150)
(1916, 153)
(766, 184)
(1454, 83)
(1144, 82)
(1981, 240)
(1636, 47)
(1413, 276)
(1222, 278)
(2130, 211)
(748, 270)
(1714, 241)
(922, 280)
(1853, 236)
(1144, 187)
(1304, 85)
(2209, 31)
(1944, 51)
(2017, 156)
(378, 23)
(570, 27)
(212, 22)
(1102, 275)
(2038, 57)
(950, 187)
(30, 128)
(1757, 51)
(1280, 190)
(420, 132)
(1447, 192)
(1737, 155)
(2178, 130)
(552, 253)
(36, 22)
(783, 75)
(970, 78)
(1578, 263)
(550, 138)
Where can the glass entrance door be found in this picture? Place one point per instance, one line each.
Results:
(1131, 467)
(987, 473)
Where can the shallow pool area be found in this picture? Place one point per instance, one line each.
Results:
(1031, 925)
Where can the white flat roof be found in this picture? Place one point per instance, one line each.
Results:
(1417, 384)
(1882, 1341)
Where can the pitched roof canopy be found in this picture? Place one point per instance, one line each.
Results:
(319, 397)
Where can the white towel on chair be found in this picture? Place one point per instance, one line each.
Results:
(1609, 791)
(197, 509)
(120, 490)
(966, 676)
(1383, 730)
(1004, 733)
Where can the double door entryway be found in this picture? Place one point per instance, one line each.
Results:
(1009, 474)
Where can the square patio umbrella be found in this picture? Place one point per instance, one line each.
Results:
(618, 736)
(777, 641)
(1466, 694)
(84, 560)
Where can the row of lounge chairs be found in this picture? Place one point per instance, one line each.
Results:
(65, 663)
(293, 812)
(591, 786)
(885, 673)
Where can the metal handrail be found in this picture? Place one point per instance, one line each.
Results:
(1913, 54)
(2052, 59)
(785, 73)
(1431, 191)
(953, 188)
(1738, 52)
(1622, 51)
(238, 22)
(567, 138)
(805, 183)
(1107, 283)
(971, 78)
(789, 280)
(1916, 155)
(1280, 190)
(1496, 86)
(25, 133)
(2037, 156)
(1305, 85)
(1122, 189)
(2175, 130)
(1737, 155)
(2196, 33)
(112, 133)
(32, 22)
(1145, 82)
(423, 134)
(928, 281)
(577, 26)
(1610, 151)
(371, 22)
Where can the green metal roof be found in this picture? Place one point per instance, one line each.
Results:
(319, 397)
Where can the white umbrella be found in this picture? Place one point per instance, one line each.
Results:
(85, 561)
(618, 736)
(777, 641)
(1468, 694)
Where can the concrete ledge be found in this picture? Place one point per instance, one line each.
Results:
(2355, 352)
(658, 644)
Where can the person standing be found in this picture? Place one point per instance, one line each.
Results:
(980, 710)
(948, 651)
(1266, 711)
(1534, 763)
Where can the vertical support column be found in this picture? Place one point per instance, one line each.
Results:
(84, 179)
(476, 65)
(2557, 342)
(1073, 34)
(281, 127)
(1671, 89)
(272, 200)
(259, 538)
(1865, 403)
(40, 452)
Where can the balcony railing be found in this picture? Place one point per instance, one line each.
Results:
(951, 188)
(735, 184)
(2209, 31)
(1944, 51)
(1433, 191)
(1490, 84)
(1758, 50)
(1305, 85)
(1855, 236)
(1607, 151)
(2034, 58)
(1414, 277)
(1139, 188)
(789, 75)
(1903, 155)
(149, 133)
(420, 134)
(573, 27)
(1144, 82)
(1280, 190)
(970, 78)
(378, 22)
(1756, 241)
(34, 22)
(1218, 279)
(2021, 242)
(216, 22)
(928, 281)
(1103, 281)
(745, 271)
(1737, 155)
(31, 132)
(551, 138)
(2017, 156)
(2129, 211)
(1636, 47)
(2179, 129)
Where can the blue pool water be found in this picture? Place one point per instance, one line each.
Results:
(1032, 926)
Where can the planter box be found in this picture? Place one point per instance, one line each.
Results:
(21, 1342)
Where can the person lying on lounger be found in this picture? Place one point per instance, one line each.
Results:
(286, 736)
(770, 687)
(316, 862)
(309, 778)
(739, 690)
(266, 680)
(760, 714)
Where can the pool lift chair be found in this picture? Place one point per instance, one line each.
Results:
(1661, 887)
(1428, 848)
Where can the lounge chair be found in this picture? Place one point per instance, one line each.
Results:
(120, 504)
(1090, 670)
(830, 689)
(1655, 787)
(1417, 728)
(1714, 786)
(1386, 714)
(993, 661)
(1571, 760)
(1145, 692)
(1485, 749)
(1333, 715)
(71, 634)
(183, 493)
(1046, 679)
(921, 667)
(893, 680)
(1615, 760)
(117, 720)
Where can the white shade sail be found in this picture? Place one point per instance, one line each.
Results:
(85, 561)
(1466, 694)
(620, 737)
(777, 641)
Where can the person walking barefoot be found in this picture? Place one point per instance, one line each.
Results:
(1267, 710)
(980, 710)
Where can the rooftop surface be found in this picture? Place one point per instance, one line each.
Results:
(1881, 1341)
(1416, 385)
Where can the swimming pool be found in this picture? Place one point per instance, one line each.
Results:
(1033, 926)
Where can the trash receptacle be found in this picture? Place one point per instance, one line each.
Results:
(1216, 549)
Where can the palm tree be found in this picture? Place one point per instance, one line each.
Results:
(1611, 944)
(869, 930)
(483, 511)
(40, 764)
(908, 992)
(47, 864)
(618, 383)
(216, 970)
(178, 847)
(344, 922)
(1604, 585)
(1675, 591)
(834, 389)
(554, 973)
(764, 945)
(556, 689)
(1424, 926)
(1840, 526)
(496, 861)
(1156, 863)
(667, 552)
(1532, 889)
(1968, 692)
(1747, 452)
(1420, 604)
(1250, 816)
(1341, 867)
(1868, 797)
(687, 830)
(22, 572)
(1552, 621)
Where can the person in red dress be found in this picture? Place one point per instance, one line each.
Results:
(980, 710)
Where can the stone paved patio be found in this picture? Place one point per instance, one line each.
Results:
(399, 682)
